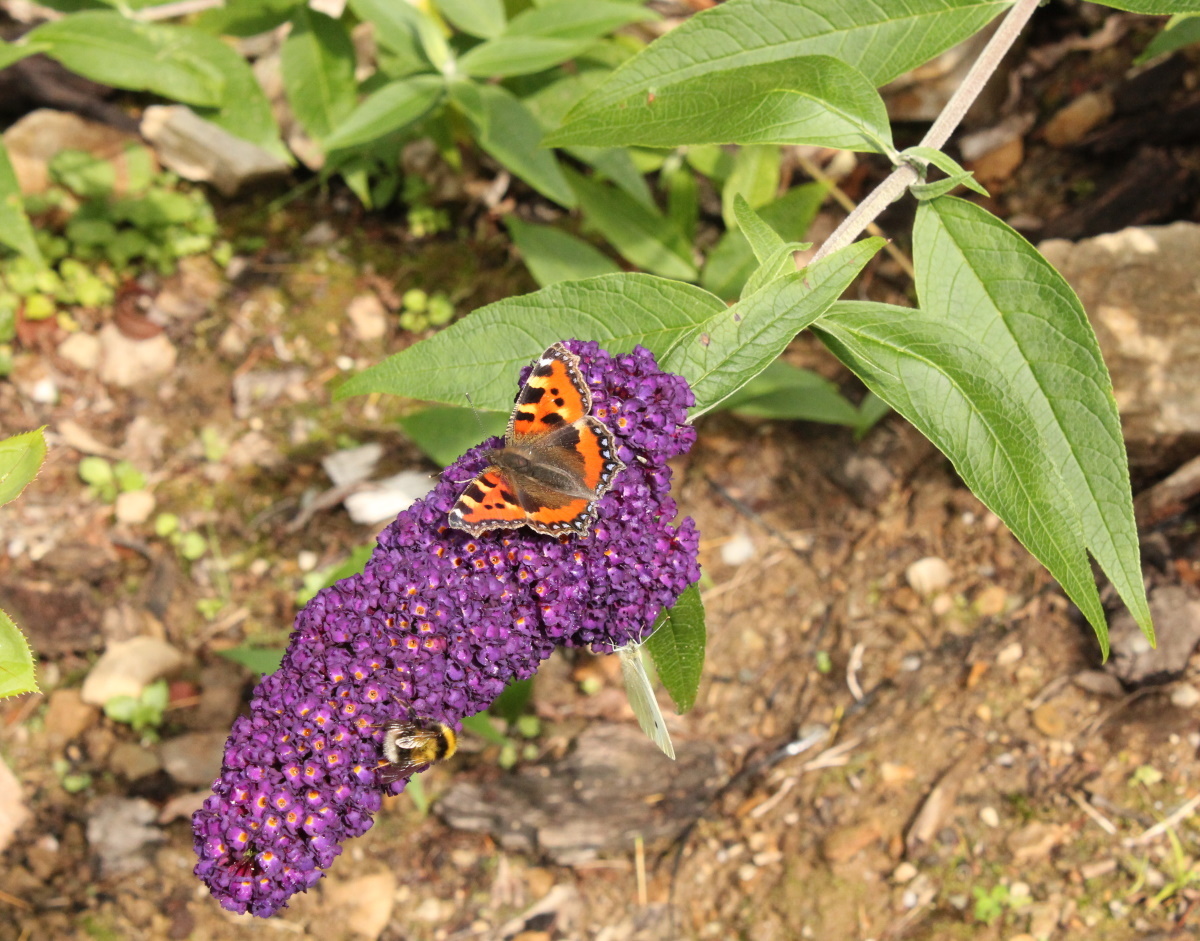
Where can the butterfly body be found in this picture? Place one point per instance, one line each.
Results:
(557, 459)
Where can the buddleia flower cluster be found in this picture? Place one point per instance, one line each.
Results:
(437, 624)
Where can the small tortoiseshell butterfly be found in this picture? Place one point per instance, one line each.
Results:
(558, 459)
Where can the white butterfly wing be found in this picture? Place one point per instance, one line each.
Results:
(641, 698)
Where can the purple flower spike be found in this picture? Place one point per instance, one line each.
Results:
(437, 624)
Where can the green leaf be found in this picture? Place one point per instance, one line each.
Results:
(444, 433)
(755, 177)
(732, 262)
(15, 230)
(781, 261)
(949, 385)
(811, 100)
(509, 132)
(677, 647)
(317, 61)
(553, 255)
(513, 700)
(110, 49)
(395, 106)
(785, 392)
(616, 164)
(519, 55)
(763, 240)
(641, 234)
(733, 346)
(262, 660)
(955, 174)
(482, 18)
(589, 20)
(882, 40)
(21, 458)
(16, 661)
(484, 351)
(481, 725)
(977, 273)
(1153, 6)
(244, 110)
(246, 17)
(1179, 32)
(12, 52)
(401, 26)
(683, 200)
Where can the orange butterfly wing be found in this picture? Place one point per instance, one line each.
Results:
(554, 394)
(550, 425)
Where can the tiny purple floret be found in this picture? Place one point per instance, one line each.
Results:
(437, 624)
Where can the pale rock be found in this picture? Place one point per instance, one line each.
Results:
(121, 833)
(193, 759)
(13, 810)
(388, 497)
(200, 151)
(1176, 613)
(127, 667)
(44, 391)
(34, 140)
(989, 817)
(1141, 293)
(132, 762)
(1185, 696)
(738, 550)
(368, 317)
(182, 806)
(991, 601)
(67, 717)
(928, 575)
(366, 902)
(352, 465)
(126, 362)
(1010, 654)
(134, 507)
(1072, 122)
(903, 873)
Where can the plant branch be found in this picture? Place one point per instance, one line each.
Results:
(904, 176)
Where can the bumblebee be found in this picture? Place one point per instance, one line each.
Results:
(412, 743)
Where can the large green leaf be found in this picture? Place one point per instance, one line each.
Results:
(21, 457)
(483, 352)
(589, 20)
(317, 60)
(638, 232)
(509, 132)
(975, 272)
(882, 40)
(810, 100)
(553, 255)
(395, 106)
(106, 47)
(519, 55)
(244, 110)
(15, 230)
(949, 385)
(482, 18)
(16, 661)
(733, 346)
(677, 647)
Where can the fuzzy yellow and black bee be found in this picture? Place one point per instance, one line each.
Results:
(412, 743)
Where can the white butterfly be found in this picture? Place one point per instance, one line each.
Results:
(641, 697)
